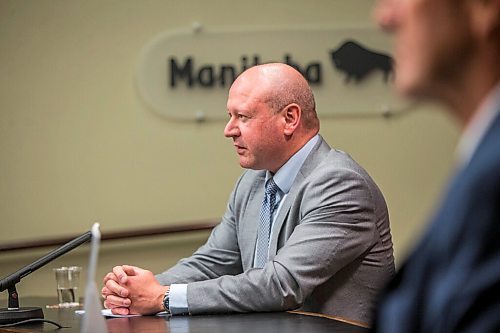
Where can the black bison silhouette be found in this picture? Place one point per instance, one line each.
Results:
(357, 61)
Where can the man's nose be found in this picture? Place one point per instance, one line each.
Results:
(231, 130)
(386, 14)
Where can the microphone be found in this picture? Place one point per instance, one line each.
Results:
(13, 313)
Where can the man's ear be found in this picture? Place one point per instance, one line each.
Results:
(292, 114)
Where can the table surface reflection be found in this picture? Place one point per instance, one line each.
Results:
(241, 323)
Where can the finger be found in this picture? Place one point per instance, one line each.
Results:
(120, 311)
(131, 270)
(120, 274)
(113, 301)
(105, 292)
(116, 289)
(109, 305)
(109, 276)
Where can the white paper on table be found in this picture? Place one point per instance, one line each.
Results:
(93, 320)
(108, 313)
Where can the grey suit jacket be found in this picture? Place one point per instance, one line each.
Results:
(331, 249)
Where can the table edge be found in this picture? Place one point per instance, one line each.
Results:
(344, 320)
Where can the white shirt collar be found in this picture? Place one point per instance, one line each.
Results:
(285, 176)
(478, 126)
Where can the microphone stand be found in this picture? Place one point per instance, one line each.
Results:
(13, 313)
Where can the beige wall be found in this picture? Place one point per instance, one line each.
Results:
(78, 146)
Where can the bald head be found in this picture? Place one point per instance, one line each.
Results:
(280, 85)
(271, 115)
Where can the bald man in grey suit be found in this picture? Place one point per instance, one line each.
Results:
(328, 249)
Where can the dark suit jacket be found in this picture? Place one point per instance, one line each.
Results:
(330, 253)
(451, 282)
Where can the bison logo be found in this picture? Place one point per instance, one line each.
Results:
(357, 61)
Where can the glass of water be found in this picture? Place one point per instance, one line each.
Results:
(68, 281)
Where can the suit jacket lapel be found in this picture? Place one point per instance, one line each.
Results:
(318, 152)
(278, 223)
(252, 216)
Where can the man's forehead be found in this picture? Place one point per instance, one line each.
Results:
(241, 101)
(248, 91)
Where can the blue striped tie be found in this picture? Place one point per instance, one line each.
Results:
(266, 217)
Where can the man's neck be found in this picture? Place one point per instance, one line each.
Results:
(294, 145)
(478, 79)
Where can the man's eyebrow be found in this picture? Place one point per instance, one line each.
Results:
(241, 110)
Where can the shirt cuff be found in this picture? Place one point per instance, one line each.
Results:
(178, 299)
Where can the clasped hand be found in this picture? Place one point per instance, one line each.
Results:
(132, 290)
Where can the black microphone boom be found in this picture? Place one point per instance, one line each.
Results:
(13, 313)
(14, 278)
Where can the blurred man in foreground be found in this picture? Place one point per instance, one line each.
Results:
(449, 51)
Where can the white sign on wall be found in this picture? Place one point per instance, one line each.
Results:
(186, 74)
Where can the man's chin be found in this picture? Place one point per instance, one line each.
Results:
(245, 164)
(412, 84)
(409, 88)
(417, 93)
